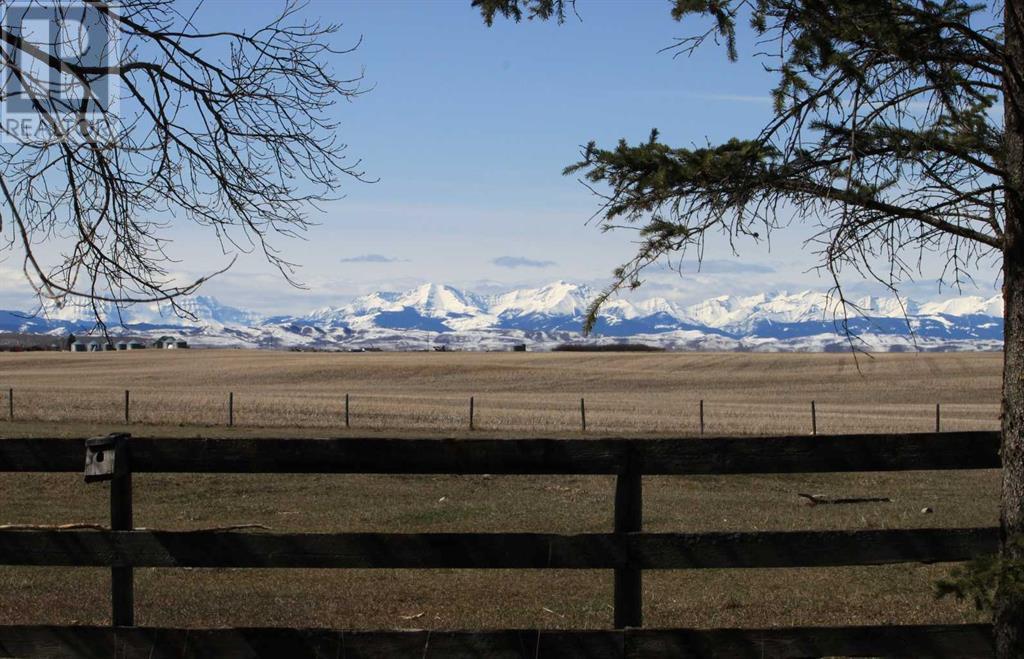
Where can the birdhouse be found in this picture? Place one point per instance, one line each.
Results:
(105, 457)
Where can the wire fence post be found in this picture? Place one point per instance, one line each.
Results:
(814, 419)
(10, 404)
(231, 409)
(702, 416)
(471, 413)
(127, 404)
(583, 415)
(938, 417)
(346, 411)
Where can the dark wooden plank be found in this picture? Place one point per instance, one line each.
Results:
(939, 641)
(396, 456)
(491, 550)
(809, 548)
(822, 453)
(799, 454)
(408, 456)
(145, 643)
(321, 550)
(42, 454)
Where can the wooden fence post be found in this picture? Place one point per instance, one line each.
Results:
(701, 416)
(122, 588)
(231, 409)
(583, 415)
(628, 519)
(471, 413)
(814, 419)
(127, 403)
(938, 417)
(346, 411)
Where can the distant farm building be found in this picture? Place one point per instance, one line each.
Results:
(123, 343)
(169, 342)
(90, 345)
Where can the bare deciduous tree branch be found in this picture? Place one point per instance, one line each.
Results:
(230, 130)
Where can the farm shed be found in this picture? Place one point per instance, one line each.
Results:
(169, 342)
(91, 345)
(136, 345)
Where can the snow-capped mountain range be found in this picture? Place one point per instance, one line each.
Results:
(434, 315)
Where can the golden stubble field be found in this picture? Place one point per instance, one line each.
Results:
(185, 393)
(521, 393)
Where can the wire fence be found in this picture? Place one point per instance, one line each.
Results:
(601, 413)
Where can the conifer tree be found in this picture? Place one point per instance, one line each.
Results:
(897, 130)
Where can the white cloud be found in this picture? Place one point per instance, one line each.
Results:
(370, 258)
(521, 262)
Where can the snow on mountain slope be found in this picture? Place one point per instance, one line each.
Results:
(559, 298)
(429, 300)
(424, 307)
(439, 301)
(739, 314)
(965, 306)
(437, 314)
(724, 310)
(204, 310)
(887, 307)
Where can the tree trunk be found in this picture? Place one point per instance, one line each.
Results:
(1009, 613)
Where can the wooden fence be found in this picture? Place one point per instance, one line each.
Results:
(628, 550)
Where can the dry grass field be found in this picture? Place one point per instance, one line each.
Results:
(521, 393)
(184, 393)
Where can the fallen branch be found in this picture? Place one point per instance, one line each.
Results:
(821, 499)
(51, 527)
(235, 527)
(100, 527)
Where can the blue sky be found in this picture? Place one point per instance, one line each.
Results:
(467, 129)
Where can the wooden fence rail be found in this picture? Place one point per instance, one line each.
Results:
(639, 551)
(684, 456)
(627, 550)
(961, 641)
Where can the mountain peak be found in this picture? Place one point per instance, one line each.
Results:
(557, 298)
(966, 306)
(439, 300)
(553, 313)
